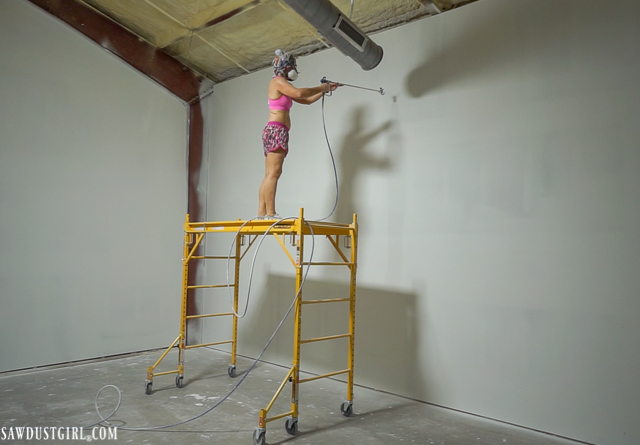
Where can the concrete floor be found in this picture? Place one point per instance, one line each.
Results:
(63, 396)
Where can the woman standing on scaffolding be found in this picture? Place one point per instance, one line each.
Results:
(275, 137)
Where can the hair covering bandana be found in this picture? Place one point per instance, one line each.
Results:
(282, 61)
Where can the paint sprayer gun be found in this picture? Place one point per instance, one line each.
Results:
(324, 80)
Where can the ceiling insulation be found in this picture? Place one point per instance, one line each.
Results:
(224, 39)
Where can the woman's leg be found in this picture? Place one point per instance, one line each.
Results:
(267, 192)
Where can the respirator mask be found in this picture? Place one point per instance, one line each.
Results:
(292, 75)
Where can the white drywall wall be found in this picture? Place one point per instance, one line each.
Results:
(499, 248)
(92, 198)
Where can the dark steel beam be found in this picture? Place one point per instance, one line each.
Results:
(196, 206)
(152, 62)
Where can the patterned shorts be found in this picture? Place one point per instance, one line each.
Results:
(274, 136)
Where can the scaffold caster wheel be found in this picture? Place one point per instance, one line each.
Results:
(346, 409)
(291, 425)
(259, 437)
(148, 388)
(232, 371)
(179, 381)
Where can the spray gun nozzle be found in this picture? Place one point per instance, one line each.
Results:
(324, 80)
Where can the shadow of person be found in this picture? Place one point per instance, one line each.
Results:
(355, 159)
(486, 47)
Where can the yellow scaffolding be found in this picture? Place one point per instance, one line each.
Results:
(297, 228)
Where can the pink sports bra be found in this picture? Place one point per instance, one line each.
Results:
(282, 103)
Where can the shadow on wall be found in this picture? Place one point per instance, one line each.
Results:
(481, 49)
(355, 159)
(386, 333)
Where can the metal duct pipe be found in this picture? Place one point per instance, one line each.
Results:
(339, 30)
(431, 6)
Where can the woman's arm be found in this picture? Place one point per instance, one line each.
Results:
(302, 95)
(309, 100)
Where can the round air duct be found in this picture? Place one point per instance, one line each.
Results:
(339, 31)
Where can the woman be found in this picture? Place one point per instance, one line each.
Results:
(275, 137)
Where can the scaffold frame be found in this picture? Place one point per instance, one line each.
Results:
(298, 229)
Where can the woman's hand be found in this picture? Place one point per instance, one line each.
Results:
(330, 86)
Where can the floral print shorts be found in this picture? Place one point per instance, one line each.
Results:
(274, 136)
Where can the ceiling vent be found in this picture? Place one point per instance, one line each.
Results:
(339, 31)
